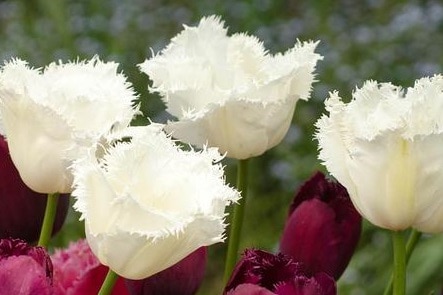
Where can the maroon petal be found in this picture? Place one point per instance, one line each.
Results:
(276, 274)
(250, 289)
(321, 284)
(23, 275)
(16, 247)
(78, 272)
(262, 268)
(24, 269)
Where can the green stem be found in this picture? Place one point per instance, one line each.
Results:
(398, 242)
(413, 239)
(237, 220)
(48, 220)
(108, 284)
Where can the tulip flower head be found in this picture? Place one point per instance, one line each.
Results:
(22, 210)
(262, 273)
(78, 272)
(147, 203)
(24, 269)
(51, 115)
(228, 91)
(323, 227)
(385, 147)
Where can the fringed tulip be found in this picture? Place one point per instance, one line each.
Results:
(22, 210)
(78, 272)
(50, 116)
(262, 273)
(24, 269)
(182, 278)
(229, 91)
(385, 147)
(147, 203)
(323, 227)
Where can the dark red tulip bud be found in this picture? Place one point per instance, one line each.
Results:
(262, 273)
(78, 272)
(22, 210)
(24, 269)
(323, 227)
(182, 278)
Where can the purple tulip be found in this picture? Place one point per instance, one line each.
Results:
(182, 278)
(263, 273)
(22, 210)
(323, 227)
(24, 269)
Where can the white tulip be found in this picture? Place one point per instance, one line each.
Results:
(148, 204)
(228, 91)
(50, 115)
(386, 148)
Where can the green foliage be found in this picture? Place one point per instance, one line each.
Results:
(397, 41)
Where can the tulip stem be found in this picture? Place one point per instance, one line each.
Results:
(108, 283)
(48, 220)
(398, 242)
(237, 220)
(413, 239)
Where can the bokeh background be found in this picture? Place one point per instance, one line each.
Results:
(396, 41)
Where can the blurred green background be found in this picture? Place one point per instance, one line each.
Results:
(396, 41)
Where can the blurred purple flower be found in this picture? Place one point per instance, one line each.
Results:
(78, 272)
(22, 210)
(24, 269)
(182, 278)
(262, 273)
(323, 227)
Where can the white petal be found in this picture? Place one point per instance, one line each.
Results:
(137, 257)
(103, 100)
(376, 108)
(38, 140)
(429, 184)
(335, 144)
(297, 64)
(425, 114)
(242, 129)
(384, 174)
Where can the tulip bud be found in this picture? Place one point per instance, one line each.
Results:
(323, 227)
(22, 210)
(24, 269)
(78, 272)
(262, 273)
(182, 278)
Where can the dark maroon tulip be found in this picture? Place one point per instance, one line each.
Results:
(262, 273)
(24, 269)
(323, 227)
(22, 210)
(183, 278)
(78, 272)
